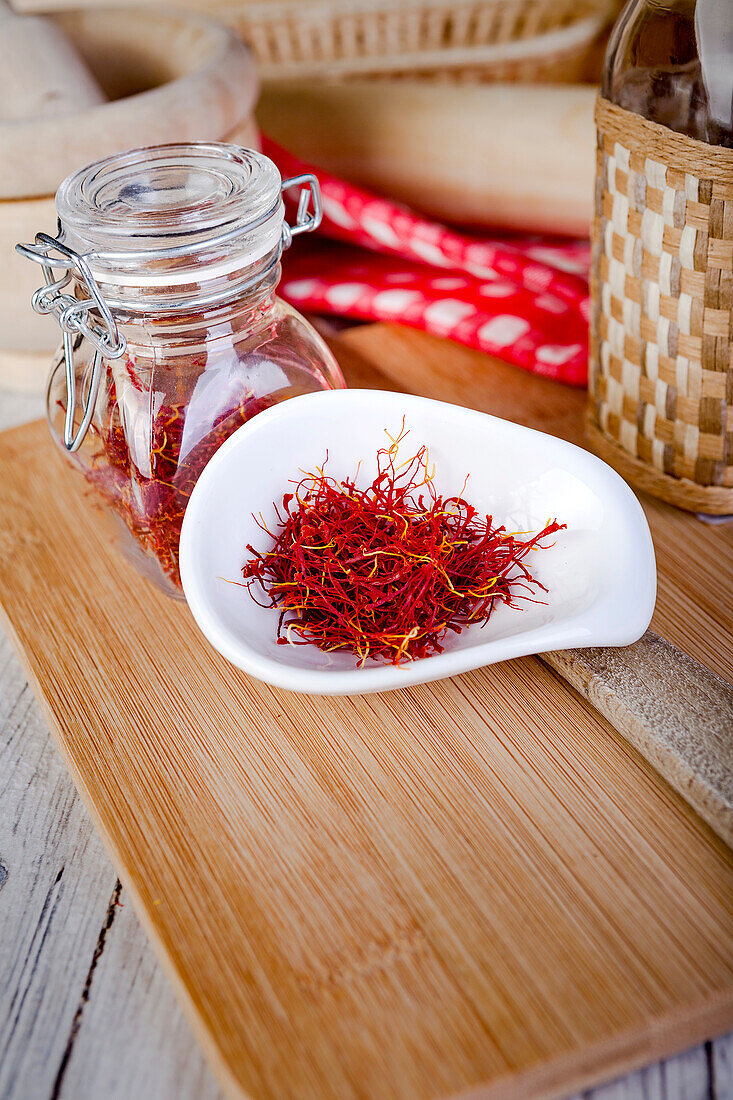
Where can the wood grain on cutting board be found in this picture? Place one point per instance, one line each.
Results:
(471, 887)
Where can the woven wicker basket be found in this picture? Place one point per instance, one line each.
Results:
(661, 366)
(468, 39)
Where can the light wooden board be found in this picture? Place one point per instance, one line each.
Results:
(468, 886)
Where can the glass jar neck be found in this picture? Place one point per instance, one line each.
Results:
(230, 308)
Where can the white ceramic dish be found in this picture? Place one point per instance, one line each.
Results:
(600, 573)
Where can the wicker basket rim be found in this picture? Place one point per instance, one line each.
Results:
(536, 48)
(271, 11)
(672, 148)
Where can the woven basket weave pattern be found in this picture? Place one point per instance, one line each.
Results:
(373, 29)
(662, 325)
(375, 36)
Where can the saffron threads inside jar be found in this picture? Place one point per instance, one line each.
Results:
(145, 470)
(387, 572)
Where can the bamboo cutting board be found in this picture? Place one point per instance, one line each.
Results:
(474, 887)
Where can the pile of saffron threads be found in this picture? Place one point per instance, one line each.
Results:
(388, 571)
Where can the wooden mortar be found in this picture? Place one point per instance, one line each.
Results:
(169, 76)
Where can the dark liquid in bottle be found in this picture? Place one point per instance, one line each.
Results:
(666, 65)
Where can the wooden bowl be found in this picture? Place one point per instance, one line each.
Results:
(170, 76)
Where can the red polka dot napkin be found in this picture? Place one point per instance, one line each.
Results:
(524, 300)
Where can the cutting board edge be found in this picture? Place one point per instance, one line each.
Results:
(623, 1053)
(225, 1078)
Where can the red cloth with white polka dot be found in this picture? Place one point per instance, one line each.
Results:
(524, 300)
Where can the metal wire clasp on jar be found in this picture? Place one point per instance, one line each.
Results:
(162, 278)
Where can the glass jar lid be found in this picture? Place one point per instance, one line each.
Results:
(171, 214)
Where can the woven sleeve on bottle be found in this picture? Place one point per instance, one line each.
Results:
(661, 373)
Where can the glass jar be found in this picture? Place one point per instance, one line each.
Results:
(174, 336)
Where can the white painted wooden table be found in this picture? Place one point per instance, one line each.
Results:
(85, 1011)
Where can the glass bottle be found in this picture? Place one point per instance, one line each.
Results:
(173, 333)
(671, 61)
